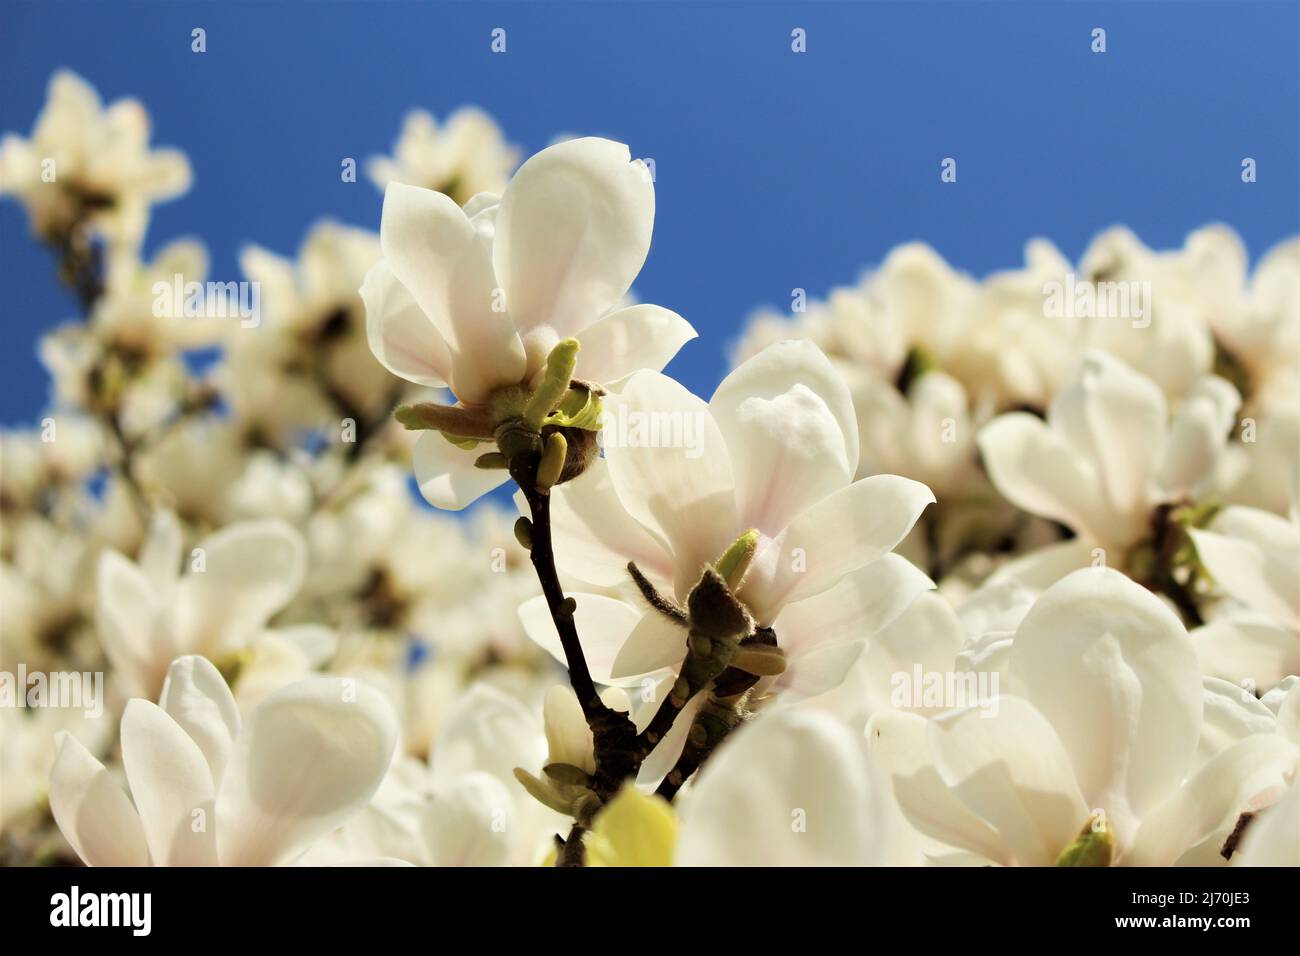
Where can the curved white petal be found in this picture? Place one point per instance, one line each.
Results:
(308, 757)
(1115, 418)
(94, 814)
(195, 695)
(488, 730)
(1036, 470)
(594, 537)
(446, 473)
(792, 789)
(1198, 435)
(668, 463)
(125, 610)
(603, 623)
(160, 555)
(1273, 839)
(1007, 764)
(401, 336)
(472, 822)
(1255, 557)
(898, 745)
(568, 738)
(791, 432)
(863, 603)
(839, 534)
(628, 340)
(1113, 669)
(1232, 713)
(1247, 647)
(654, 643)
(572, 232)
(248, 572)
(436, 254)
(1212, 800)
(172, 786)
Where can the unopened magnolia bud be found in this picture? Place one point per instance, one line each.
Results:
(524, 532)
(714, 611)
(552, 463)
(491, 460)
(451, 420)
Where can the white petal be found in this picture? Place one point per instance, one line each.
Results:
(791, 789)
(488, 730)
(1113, 670)
(446, 472)
(1273, 839)
(1197, 435)
(1247, 647)
(400, 335)
(472, 822)
(594, 537)
(864, 602)
(791, 432)
(92, 811)
(664, 757)
(1036, 470)
(1213, 798)
(160, 555)
(669, 464)
(1007, 764)
(250, 571)
(195, 695)
(603, 623)
(568, 738)
(572, 232)
(627, 340)
(1255, 557)
(841, 533)
(125, 609)
(435, 253)
(654, 643)
(309, 757)
(1232, 713)
(172, 787)
(898, 745)
(1115, 418)
(927, 634)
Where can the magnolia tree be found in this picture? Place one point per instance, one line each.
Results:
(945, 571)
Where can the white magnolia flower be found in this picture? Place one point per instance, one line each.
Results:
(208, 789)
(1108, 453)
(774, 452)
(150, 613)
(466, 156)
(476, 299)
(1095, 739)
(793, 789)
(83, 159)
(1179, 292)
(1253, 556)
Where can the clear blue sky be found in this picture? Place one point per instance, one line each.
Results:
(774, 170)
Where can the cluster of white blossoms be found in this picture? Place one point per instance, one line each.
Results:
(944, 572)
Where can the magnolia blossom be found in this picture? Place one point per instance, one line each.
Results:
(1108, 453)
(1254, 557)
(209, 789)
(475, 299)
(149, 612)
(466, 156)
(795, 789)
(1095, 739)
(84, 160)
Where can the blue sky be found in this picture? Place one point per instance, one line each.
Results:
(774, 170)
